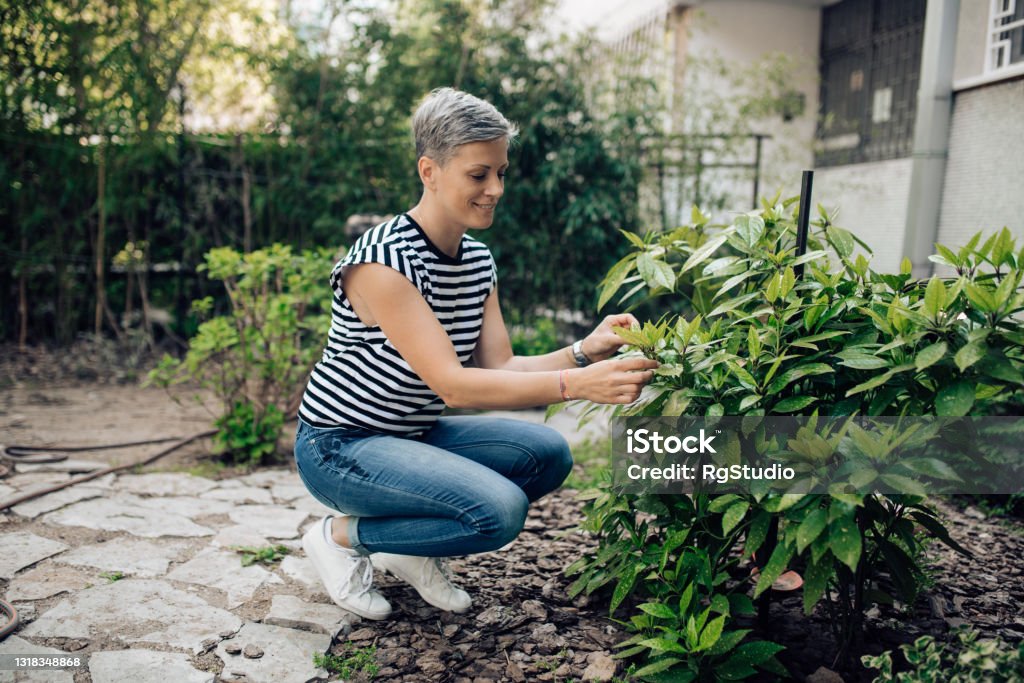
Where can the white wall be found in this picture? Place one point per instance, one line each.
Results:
(872, 202)
(606, 19)
(984, 188)
(745, 32)
(970, 39)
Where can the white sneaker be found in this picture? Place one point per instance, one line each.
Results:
(430, 577)
(347, 575)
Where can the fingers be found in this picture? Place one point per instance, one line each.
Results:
(640, 378)
(622, 320)
(628, 364)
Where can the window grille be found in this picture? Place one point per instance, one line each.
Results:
(870, 66)
(1006, 35)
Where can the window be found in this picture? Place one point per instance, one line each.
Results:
(870, 66)
(1006, 35)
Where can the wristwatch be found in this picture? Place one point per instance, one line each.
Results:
(577, 353)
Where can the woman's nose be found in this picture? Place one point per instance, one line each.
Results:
(495, 188)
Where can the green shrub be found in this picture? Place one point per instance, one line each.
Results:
(352, 661)
(759, 340)
(973, 660)
(255, 357)
(535, 338)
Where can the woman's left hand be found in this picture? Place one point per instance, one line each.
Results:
(602, 343)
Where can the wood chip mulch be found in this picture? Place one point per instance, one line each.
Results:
(524, 627)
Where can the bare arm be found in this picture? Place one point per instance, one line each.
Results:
(383, 297)
(494, 350)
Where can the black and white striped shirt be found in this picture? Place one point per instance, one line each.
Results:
(362, 380)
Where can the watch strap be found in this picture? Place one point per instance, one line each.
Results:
(577, 353)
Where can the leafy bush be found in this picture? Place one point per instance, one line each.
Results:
(255, 358)
(988, 661)
(762, 340)
(535, 338)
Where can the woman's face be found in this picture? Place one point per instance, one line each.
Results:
(469, 186)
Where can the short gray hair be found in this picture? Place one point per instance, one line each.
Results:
(448, 118)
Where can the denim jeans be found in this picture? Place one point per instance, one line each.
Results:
(462, 487)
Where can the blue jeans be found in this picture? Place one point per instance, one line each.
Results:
(462, 487)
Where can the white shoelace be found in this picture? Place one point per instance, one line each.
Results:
(443, 568)
(365, 582)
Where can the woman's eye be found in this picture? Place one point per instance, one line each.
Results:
(501, 176)
(478, 177)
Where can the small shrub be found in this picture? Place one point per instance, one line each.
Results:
(255, 357)
(536, 338)
(267, 555)
(969, 660)
(760, 339)
(351, 662)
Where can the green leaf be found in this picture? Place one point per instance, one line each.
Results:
(720, 264)
(757, 532)
(655, 272)
(793, 374)
(732, 282)
(845, 541)
(774, 568)
(734, 515)
(793, 404)
(934, 298)
(659, 610)
(982, 299)
(702, 252)
(774, 287)
(811, 528)
(658, 666)
(930, 355)
(878, 380)
(970, 354)
(862, 361)
(788, 282)
(613, 283)
(749, 228)
(711, 633)
(939, 531)
(624, 586)
(634, 239)
(955, 400)
(931, 467)
(728, 641)
(720, 503)
(816, 578)
(554, 409)
(841, 240)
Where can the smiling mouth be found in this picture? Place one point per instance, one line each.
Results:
(485, 207)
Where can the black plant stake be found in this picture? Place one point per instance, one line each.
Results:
(803, 221)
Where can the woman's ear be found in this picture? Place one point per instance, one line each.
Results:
(428, 169)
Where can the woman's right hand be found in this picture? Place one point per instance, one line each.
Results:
(617, 380)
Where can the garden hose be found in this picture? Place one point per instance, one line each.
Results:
(33, 455)
(8, 609)
(23, 454)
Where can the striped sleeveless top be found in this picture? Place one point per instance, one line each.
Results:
(361, 380)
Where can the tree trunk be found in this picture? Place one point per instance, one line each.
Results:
(23, 297)
(246, 195)
(101, 238)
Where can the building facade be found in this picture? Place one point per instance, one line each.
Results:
(913, 110)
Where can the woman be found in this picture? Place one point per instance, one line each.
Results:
(415, 300)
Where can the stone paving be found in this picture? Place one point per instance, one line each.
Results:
(184, 594)
(137, 571)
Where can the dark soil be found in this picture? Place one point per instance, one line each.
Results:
(523, 626)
